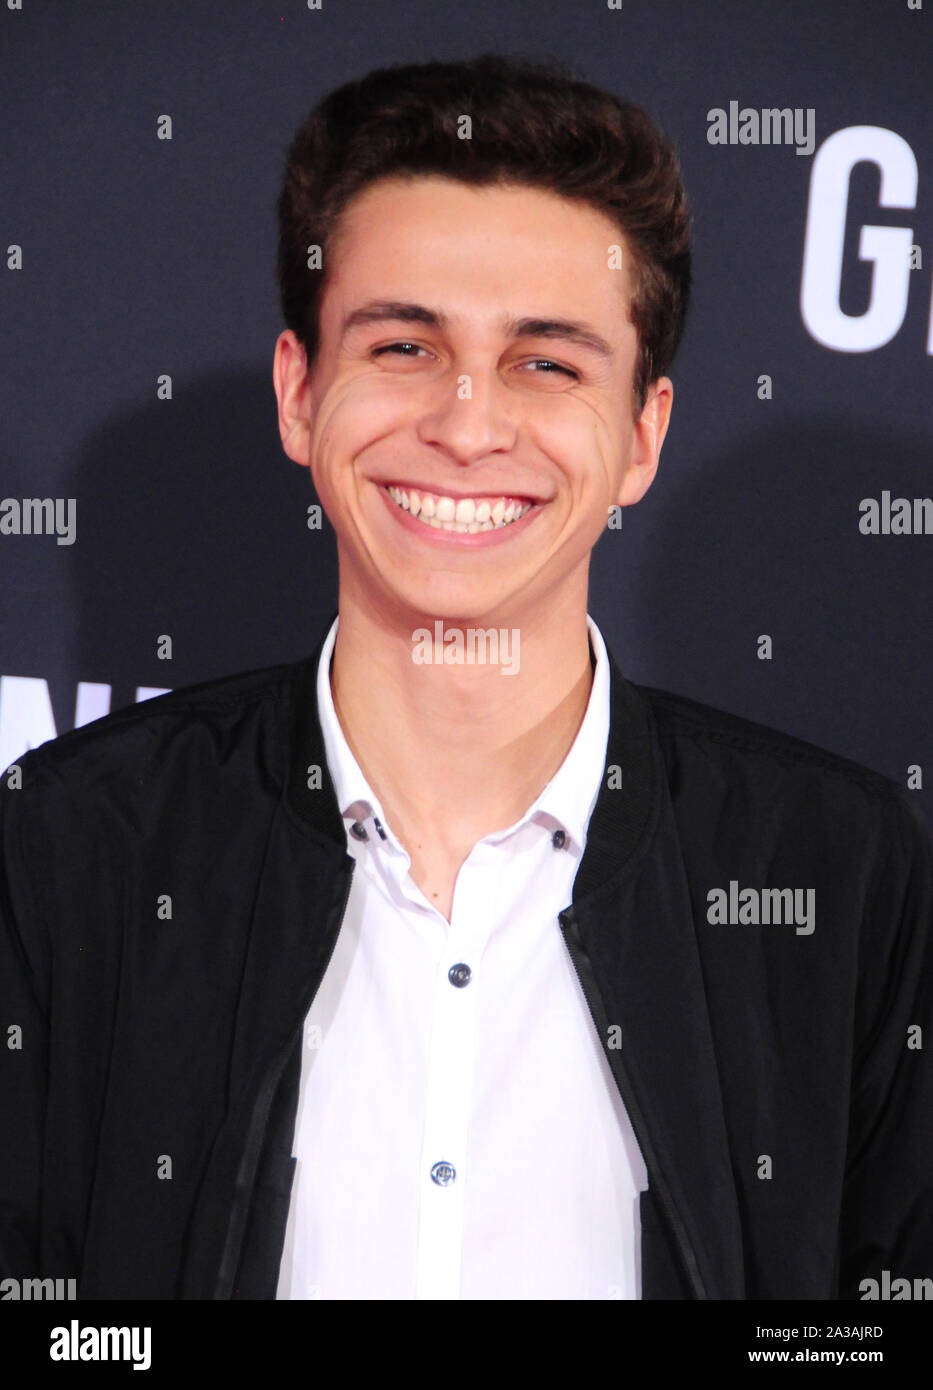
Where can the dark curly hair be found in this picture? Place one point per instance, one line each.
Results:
(533, 123)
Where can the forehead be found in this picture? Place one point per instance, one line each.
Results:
(480, 250)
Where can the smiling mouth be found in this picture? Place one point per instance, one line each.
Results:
(467, 515)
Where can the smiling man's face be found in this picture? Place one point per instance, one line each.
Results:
(474, 345)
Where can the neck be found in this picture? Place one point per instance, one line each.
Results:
(459, 751)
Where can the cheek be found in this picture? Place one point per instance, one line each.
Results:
(578, 436)
(610, 444)
(351, 419)
(356, 415)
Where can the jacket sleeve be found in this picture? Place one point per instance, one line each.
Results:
(887, 1210)
(24, 1024)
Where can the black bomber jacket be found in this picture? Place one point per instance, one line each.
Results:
(172, 884)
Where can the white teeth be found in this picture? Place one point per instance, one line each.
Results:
(466, 516)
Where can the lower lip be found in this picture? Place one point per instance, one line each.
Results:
(472, 540)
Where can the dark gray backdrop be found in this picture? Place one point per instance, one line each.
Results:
(142, 256)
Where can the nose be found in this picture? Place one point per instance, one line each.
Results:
(470, 418)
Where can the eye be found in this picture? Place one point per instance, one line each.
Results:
(404, 349)
(552, 367)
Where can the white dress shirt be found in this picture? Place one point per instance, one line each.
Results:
(460, 1135)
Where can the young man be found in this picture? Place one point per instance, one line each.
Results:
(448, 963)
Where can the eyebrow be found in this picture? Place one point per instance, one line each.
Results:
(399, 311)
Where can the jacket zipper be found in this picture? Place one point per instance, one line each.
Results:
(246, 1174)
(584, 968)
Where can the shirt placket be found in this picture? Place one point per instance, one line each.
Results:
(450, 1072)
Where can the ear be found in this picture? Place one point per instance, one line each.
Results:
(650, 430)
(290, 379)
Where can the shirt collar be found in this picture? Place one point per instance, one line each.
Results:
(566, 802)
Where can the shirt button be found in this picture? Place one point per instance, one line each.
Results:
(359, 830)
(459, 975)
(443, 1174)
(558, 839)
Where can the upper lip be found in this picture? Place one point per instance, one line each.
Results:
(456, 494)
